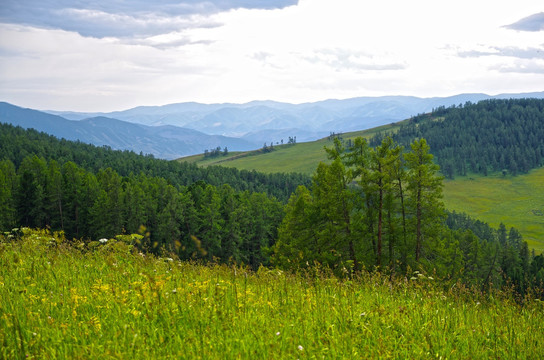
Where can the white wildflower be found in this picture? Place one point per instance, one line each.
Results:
(103, 241)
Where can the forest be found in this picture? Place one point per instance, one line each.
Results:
(381, 209)
(490, 136)
(17, 143)
(369, 209)
(200, 221)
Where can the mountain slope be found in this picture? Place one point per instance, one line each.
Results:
(490, 131)
(321, 116)
(166, 142)
(490, 136)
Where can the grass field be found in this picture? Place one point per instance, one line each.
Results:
(301, 157)
(515, 201)
(60, 300)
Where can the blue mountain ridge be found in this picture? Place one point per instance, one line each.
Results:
(182, 129)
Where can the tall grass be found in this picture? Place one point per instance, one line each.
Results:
(61, 300)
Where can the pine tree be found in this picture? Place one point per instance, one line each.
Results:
(7, 189)
(424, 186)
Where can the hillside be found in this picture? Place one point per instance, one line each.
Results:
(302, 157)
(167, 142)
(490, 136)
(515, 201)
(512, 200)
(16, 144)
(306, 121)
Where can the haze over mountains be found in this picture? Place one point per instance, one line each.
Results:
(167, 142)
(182, 129)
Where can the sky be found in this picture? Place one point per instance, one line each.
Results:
(108, 55)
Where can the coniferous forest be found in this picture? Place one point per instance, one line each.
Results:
(370, 208)
(490, 136)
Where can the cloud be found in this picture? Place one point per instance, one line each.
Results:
(124, 19)
(522, 67)
(261, 56)
(534, 22)
(509, 51)
(343, 59)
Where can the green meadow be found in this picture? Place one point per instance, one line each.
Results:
(62, 299)
(301, 157)
(516, 201)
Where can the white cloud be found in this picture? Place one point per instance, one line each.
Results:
(315, 50)
(533, 22)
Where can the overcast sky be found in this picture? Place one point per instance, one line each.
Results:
(118, 54)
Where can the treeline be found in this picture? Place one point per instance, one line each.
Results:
(17, 143)
(381, 208)
(196, 222)
(490, 136)
(480, 255)
(216, 152)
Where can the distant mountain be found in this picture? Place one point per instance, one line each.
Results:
(308, 120)
(182, 129)
(167, 142)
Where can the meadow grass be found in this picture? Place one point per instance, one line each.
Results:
(301, 157)
(516, 201)
(61, 300)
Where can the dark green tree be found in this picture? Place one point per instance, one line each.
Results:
(8, 182)
(424, 186)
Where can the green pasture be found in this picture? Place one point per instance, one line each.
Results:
(301, 157)
(516, 201)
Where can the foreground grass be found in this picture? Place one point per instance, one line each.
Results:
(60, 302)
(515, 201)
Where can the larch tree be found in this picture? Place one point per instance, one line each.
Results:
(424, 185)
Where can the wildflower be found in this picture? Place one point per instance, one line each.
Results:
(174, 291)
(278, 333)
(300, 347)
(103, 241)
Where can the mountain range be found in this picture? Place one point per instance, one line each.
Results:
(182, 129)
(167, 141)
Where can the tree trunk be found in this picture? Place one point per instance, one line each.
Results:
(418, 223)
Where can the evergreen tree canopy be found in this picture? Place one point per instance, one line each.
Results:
(492, 135)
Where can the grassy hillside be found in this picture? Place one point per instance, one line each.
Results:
(515, 201)
(301, 157)
(60, 300)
